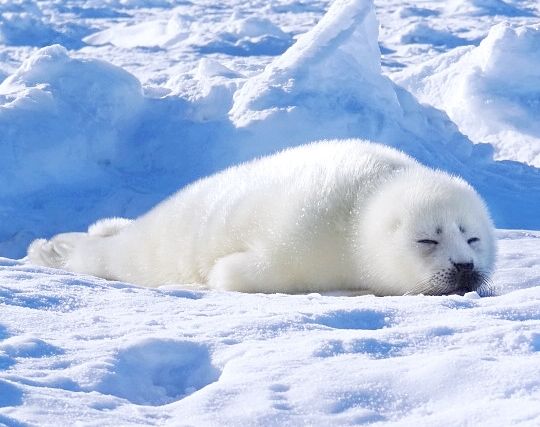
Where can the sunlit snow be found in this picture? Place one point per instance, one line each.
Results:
(108, 106)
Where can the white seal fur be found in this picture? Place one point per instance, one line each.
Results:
(332, 215)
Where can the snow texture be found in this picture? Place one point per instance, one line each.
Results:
(108, 106)
(102, 146)
(70, 138)
(492, 92)
(113, 354)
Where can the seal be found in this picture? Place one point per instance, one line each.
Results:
(327, 216)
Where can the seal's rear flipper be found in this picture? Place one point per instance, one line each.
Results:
(55, 252)
(75, 251)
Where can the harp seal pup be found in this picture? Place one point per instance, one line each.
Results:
(327, 216)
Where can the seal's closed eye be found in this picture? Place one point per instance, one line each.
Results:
(428, 242)
(472, 240)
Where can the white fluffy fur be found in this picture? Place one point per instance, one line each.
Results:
(326, 216)
(108, 226)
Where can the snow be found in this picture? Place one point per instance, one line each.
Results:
(47, 89)
(113, 354)
(339, 52)
(488, 7)
(108, 106)
(23, 22)
(491, 91)
(146, 34)
(421, 33)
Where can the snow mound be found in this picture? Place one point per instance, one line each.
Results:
(414, 11)
(157, 33)
(319, 68)
(158, 371)
(421, 33)
(25, 29)
(23, 23)
(78, 108)
(132, 4)
(241, 36)
(486, 7)
(217, 85)
(490, 91)
(237, 36)
(27, 346)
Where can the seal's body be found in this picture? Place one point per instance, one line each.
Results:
(333, 215)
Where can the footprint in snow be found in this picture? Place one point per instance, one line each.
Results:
(279, 397)
(159, 371)
(353, 319)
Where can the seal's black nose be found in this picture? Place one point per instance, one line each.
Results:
(464, 267)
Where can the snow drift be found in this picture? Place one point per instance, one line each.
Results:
(154, 33)
(79, 111)
(24, 23)
(491, 91)
(339, 55)
(487, 7)
(238, 35)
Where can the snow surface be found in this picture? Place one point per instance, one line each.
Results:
(108, 106)
(80, 349)
(492, 92)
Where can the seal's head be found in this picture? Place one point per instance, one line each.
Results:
(426, 232)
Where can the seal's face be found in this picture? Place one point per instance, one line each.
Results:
(427, 233)
(451, 241)
(457, 258)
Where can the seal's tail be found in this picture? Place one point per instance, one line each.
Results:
(58, 251)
